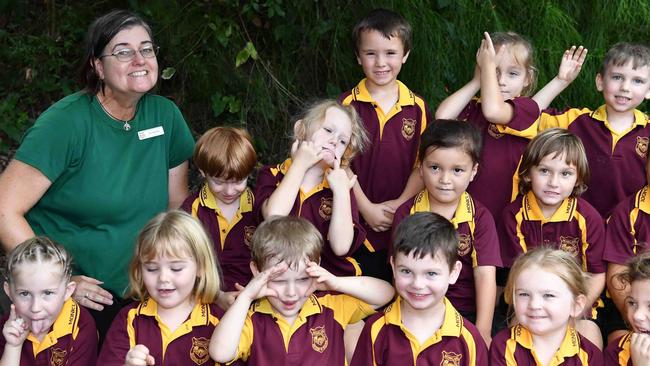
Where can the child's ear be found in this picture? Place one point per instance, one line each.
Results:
(299, 130)
(69, 289)
(579, 304)
(392, 264)
(254, 269)
(202, 174)
(406, 56)
(599, 82)
(455, 272)
(7, 290)
(474, 171)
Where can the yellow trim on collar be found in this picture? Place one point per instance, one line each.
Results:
(284, 168)
(642, 200)
(533, 212)
(464, 211)
(640, 118)
(207, 199)
(406, 96)
(66, 323)
(569, 347)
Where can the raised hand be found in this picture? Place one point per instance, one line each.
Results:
(304, 154)
(571, 63)
(338, 179)
(486, 54)
(15, 329)
(324, 280)
(258, 286)
(139, 356)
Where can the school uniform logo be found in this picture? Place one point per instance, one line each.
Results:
(641, 146)
(450, 359)
(325, 209)
(569, 245)
(248, 235)
(408, 128)
(494, 131)
(199, 351)
(464, 244)
(319, 339)
(58, 357)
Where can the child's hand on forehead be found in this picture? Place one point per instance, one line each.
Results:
(15, 329)
(325, 281)
(338, 179)
(304, 154)
(258, 285)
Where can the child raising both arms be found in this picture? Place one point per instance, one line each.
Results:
(45, 325)
(312, 183)
(174, 277)
(278, 318)
(553, 173)
(547, 290)
(449, 154)
(505, 114)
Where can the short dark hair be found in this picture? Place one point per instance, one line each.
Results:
(623, 52)
(386, 22)
(427, 233)
(99, 34)
(446, 133)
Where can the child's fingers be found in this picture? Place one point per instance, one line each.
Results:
(150, 360)
(294, 146)
(239, 287)
(353, 181)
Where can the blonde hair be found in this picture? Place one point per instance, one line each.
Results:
(225, 152)
(285, 239)
(555, 261)
(313, 117)
(176, 234)
(556, 141)
(523, 53)
(39, 249)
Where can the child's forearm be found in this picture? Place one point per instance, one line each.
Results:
(451, 107)
(617, 290)
(414, 185)
(552, 89)
(486, 294)
(341, 229)
(226, 335)
(283, 197)
(370, 290)
(11, 356)
(494, 108)
(595, 286)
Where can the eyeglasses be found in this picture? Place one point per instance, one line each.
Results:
(128, 54)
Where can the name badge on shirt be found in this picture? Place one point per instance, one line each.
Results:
(151, 132)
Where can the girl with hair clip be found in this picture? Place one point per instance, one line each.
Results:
(314, 185)
(505, 113)
(633, 348)
(174, 278)
(547, 291)
(45, 324)
(549, 211)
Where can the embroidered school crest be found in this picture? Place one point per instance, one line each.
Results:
(450, 359)
(494, 131)
(199, 351)
(464, 244)
(319, 340)
(325, 209)
(641, 146)
(58, 357)
(248, 235)
(569, 245)
(408, 128)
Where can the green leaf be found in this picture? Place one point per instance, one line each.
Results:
(251, 50)
(242, 57)
(218, 104)
(168, 72)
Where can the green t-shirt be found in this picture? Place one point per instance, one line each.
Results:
(106, 182)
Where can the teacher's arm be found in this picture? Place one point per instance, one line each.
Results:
(21, 187)
(178, 185)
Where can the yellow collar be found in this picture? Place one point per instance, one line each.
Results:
(464, 211)
(532, 211)
(65, 323)
(207, 199)
(640, 118)
(452, 324)
(406, 96)
(642, 201)
(200, 314)
(570, 344)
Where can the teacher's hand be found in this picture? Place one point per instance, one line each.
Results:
(89, 294)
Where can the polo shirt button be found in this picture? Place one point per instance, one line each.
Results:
(223, 230)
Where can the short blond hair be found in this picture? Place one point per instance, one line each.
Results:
(176, 234)
(313, 117)
(39, 249)
(288, 239)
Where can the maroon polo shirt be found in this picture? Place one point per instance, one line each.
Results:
(71, 341)
(315, 338)
(384, 167)
(628, 228)
(617, 352)
(502, 150)
(616, 161)
(576, 227)
(231, 240)
(385, 340)
(478, 243)
(137, 324)
(513, 347)
(316, 207)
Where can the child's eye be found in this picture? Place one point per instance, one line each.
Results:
(23, 293)
(434, 167)
(343, 142)
(303, 279)
(327, 129)
(567, 173)
(177, 269)
(631, 303)
(432, 274)
(638, 81)
(279, 282)
(458, 170)
(151, 269)
(405, 271)
(543, 170)
(523, 294)
(617, 77)
(514, 73)
(548, 296)
(48, 292)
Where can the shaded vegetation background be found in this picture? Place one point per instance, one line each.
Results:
(255, 63)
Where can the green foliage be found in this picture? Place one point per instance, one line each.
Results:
(255, 63)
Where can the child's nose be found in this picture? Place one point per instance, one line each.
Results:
(552, 180)
(535, 302)
(290, 290)
(36, 305)
(639, 314)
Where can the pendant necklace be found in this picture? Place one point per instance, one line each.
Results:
(126, 126)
